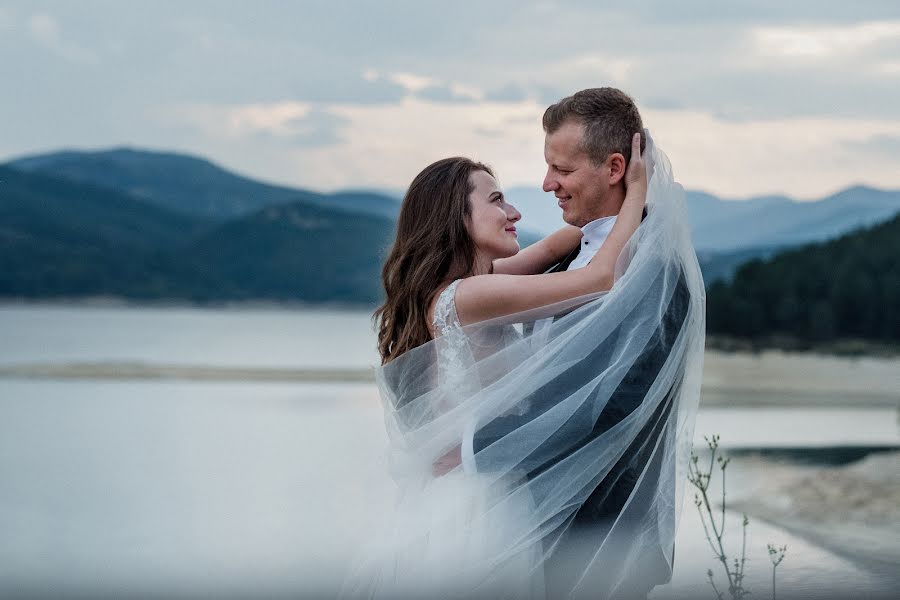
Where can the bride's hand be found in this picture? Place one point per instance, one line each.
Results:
(447, 462)
(636, 173)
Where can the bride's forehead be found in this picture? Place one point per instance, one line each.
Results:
(484, 182)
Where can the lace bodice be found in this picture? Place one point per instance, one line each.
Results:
(457, 350)
(454, 353)
(445, 317)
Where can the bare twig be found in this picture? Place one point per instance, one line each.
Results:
(715, 533)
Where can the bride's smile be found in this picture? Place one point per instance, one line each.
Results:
(492, 221)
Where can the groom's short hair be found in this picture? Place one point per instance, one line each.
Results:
(610, 118)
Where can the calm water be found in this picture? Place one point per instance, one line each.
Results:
(263, 489)
(187, 336)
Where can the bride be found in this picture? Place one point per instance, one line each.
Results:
(518, 401)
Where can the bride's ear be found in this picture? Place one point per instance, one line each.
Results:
(615, 163)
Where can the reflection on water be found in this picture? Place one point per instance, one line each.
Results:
(238, 489)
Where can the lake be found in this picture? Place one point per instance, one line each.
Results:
(232, 488)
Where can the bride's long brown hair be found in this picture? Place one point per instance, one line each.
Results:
(433, 246)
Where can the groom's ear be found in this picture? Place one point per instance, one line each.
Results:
(615, 164)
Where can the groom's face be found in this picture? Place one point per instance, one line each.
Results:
(579, 185)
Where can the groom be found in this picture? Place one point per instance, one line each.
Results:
(587, 148)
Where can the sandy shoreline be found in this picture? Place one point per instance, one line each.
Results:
(862, 380)
(853, 510)
(139, 370)
(771, 378)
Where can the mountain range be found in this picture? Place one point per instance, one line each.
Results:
(142, 224)
(764, 222)
(65, 238)
(189, 184)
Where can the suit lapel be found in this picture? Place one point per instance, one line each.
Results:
(564, 263)
(562, 266)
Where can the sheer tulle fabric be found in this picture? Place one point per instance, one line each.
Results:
(580, 432)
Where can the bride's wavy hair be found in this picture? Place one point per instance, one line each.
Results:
(433, 245)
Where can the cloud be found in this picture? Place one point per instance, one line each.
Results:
(297, 124)
(803, 157)
(427, 87)
(7, 20)
(438, 93)
(391, 143)
(662, 103)
(823, 43)
(274, 119)
(879, 146)
(45, 30)
(319, 128)
(449, 93)
(341, 145)
(748, 98)
(412, 83)
(511, 92)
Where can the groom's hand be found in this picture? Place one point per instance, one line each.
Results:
(447, 462)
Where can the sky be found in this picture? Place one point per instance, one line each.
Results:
(746, 98)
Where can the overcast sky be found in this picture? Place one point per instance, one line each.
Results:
(746, 98)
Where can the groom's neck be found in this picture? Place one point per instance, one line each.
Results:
(611, 204)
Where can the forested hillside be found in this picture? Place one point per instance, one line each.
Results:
(846, 288)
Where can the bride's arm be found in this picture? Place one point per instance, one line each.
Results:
(541, 255)
(488, 296)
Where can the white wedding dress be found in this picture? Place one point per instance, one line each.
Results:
(444, 538)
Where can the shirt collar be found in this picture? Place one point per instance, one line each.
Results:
(595, 232)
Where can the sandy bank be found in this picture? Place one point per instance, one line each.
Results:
(137, 370)
(776, 378)
(853, 510)
(792, 372)
(771, 378)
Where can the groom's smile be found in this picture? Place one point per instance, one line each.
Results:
(577, 183)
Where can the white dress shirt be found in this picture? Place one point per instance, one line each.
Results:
(593, 235)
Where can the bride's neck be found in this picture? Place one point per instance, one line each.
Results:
(483, 265)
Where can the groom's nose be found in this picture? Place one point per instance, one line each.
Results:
(550, 183)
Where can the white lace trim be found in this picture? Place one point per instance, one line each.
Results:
(445, 317)
(454, 354)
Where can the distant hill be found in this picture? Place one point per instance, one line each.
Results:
(158, 225)
(298, 252)
(727, 233)
(844, 288)
(779, 221)
(58, 238)
(148, 225)
(62, 239)
(196, 186)
(762, 222)
(189, 184)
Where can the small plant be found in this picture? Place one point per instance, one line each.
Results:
(715, 532)
(776, 555)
